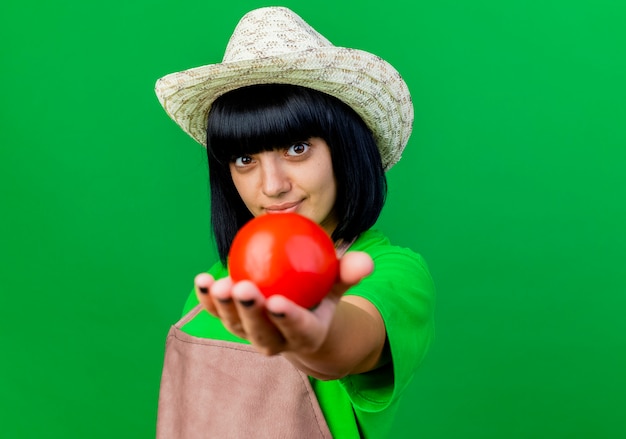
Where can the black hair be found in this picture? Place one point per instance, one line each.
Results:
(264, 117)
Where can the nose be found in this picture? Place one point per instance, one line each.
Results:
(275, 179)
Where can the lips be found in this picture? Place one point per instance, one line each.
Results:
(283, 207)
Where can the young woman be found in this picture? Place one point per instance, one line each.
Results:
(294, 124)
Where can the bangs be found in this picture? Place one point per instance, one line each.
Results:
(259, 118)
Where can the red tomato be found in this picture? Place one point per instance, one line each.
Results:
(285, 254)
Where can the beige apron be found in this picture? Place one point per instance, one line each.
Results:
(219, 389)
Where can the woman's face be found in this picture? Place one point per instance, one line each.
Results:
(298, 178)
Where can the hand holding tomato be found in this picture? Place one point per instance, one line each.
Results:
(276, 322)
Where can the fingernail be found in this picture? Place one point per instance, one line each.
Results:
(203, 290)
(278, 315)
(247, 303)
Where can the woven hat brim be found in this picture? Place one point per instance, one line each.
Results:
(365, 82)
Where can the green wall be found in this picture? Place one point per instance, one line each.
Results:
(512, 187)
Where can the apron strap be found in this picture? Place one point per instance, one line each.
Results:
(189, 316)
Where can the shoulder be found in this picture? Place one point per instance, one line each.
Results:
(390, 257)
(401, 283)
(374, 241)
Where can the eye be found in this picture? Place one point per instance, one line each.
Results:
(298, 149)
(242, 161)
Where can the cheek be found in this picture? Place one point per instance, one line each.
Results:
(331, 193)
(327, 187)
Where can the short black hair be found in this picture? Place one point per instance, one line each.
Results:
(264, 117)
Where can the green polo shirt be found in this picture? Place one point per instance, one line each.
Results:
(401, 288)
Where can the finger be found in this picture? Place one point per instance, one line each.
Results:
(203, 283)
(260, 330)
(353, 267)
(303, 330)
(221, 296)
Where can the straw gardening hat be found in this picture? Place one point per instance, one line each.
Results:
(274, 45)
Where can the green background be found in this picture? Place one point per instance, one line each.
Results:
(513, 187)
